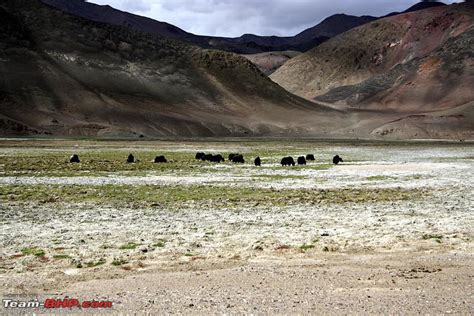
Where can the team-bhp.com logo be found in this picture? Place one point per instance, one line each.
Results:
(51, 303)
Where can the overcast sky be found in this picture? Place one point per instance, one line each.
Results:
(233, 18)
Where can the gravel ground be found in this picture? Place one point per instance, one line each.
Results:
(412, 256)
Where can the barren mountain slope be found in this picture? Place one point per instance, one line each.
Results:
(269, 62)
(419, 61)
(65, 75)
(245, 44)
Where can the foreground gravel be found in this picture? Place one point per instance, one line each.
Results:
(401, 256)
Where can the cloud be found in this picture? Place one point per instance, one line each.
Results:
(137, 5)
(263, 17)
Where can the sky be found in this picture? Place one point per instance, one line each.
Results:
(232, 18)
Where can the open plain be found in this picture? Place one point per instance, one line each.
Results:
(387, 231)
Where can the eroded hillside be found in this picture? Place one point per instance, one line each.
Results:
(65, 75)
(414, 61)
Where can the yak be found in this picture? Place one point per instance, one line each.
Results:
(217, 158)
(160, 159)
(206, 157)
(214, 158)
(199, 156)
(238, 159)
(231, 156)
(336, 160)
(288, 161)
(130, 159)
(310, 157)
(74, 159)
(257, 162)
(301, 160)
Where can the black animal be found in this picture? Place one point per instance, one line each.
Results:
(218, 158)
(310, 157)
(160, 159)
(130, 159)
(214, 158)
(257, 162)
(288, 161)
(74, 159)
(206, 157)
(238, 159)
(336, 160)
(231, 156)
(199, 156)
(301, 160)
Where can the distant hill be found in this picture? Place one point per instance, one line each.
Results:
(269, 62)
(415, 62)
(245, 44)
(419, 6)
(65, 75)
(407, 76)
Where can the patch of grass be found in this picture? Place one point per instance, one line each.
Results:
(159, 244)
(305, 247)
(118, 262)
(38, 252)
(435, 237)
(61, 256)
(277, 177)
(379, 178)
(94, 163)
(129, 246)
(146, 195)
(414, 177)
(188, 254)
(320, 166)
(92, 264)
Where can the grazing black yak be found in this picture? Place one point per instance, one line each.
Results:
(212, 158)
(310, 157)
(74, 159)
(199, 156)
(301, 160)
(257, 162)
(336, 160)
(130, 159)
(238, 159)
(231, 156)
(288, 161)
(160, 159)
(206, 157)
(217, 158)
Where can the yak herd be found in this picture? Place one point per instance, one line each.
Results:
(235, 158)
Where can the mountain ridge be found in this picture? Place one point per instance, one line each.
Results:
(65, 75)
(245, 44)
(415, 63)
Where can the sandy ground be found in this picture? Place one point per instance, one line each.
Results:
(373, 257)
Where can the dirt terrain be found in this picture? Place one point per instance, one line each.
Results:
(387, 231)
(417, 61)
(271, 61)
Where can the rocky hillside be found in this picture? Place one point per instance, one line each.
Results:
(65, 75)
(410, 62)
(245, 44)
(269, 62)
(419, 65)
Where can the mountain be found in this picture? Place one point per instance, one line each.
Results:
(419, 6)
(245, 44)
(417, 62)
(66, 75)
(332, 26)
(269, 62)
